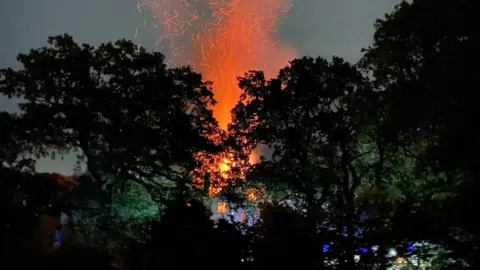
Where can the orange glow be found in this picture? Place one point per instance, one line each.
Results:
(222, 207)
(224, 167)
(254, 158)
(223, 39)
(252, 195)
(241, 38)
(399, 260)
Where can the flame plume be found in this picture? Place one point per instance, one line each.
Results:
(223, 39)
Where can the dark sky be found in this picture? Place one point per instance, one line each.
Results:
(314, 27)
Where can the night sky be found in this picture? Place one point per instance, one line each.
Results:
(314, 27)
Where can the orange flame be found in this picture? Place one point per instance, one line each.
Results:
(252, 195)
(241, 38)
(221, 207)
(238, 36)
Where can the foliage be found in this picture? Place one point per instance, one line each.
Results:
(110, 218)
(365, 158)
(135, 204)
(122, 108)
(421, 58)
(312, 117)
(282, 237)
(13, 151)
(306, 115)
(186, 238)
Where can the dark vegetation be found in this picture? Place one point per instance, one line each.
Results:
(367, 158)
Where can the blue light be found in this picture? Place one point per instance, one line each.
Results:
(364, 250)
(411, 248)
(326, 247)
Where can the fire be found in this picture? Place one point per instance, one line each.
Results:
(224, 167)
(241, 38)
(252, 195)
(223, 39)
(222, 207)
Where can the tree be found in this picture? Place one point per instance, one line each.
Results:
(130, 117)
(419, 58)
(311, 116)
(187, 238)
(281, 237)
(13, 149)
(27, 202)
(111, 218)
(421, 61)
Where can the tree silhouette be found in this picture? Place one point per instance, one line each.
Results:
(282, 237)
(13, 148)
(131, 117)
(420, 59)
(364, 158)
(186, 237)
(312, 117)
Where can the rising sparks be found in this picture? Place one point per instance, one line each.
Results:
(222, 39)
